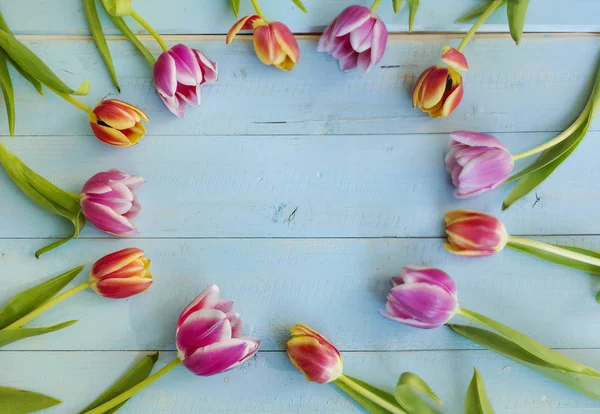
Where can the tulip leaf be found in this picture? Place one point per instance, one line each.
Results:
(91, 13)
(16, 401)
(131, 378)
(476, 12)
(29, 300)
(122, 26)
(397, 4)
(117, 8)
(8, 336)
(300, 5)
(235, 7)
(369, 405)
(407, 394)
(476, 400)
(516, 11)
(413, 6)
(8, 93)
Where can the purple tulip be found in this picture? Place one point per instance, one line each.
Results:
(356, 38)
(178, 74)
(209, 335)
(477, 162)
(421, 296)
(109, 202)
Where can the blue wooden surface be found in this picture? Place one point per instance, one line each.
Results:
(363, 173)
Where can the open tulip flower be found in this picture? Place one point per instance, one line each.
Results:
(118, 123)
(426, 298)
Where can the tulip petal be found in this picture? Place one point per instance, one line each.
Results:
(433, 88)
(364, 62)
(474, 139)
(116, 116)
(419, 85)
(224, 305)
(245, 23)
(105, 219)
(343, 48)
(351, 18)
(142, 115)
(455, 59)
(326, 41)
(165, 75)
(175, 104)
(267, 49)
(349, 62)
(210, 69)
(484, 173)
(288, 64)
(208, 298)
(423, 302)
(121, 288)
(110, 135)
(362, 37)
(380, 37)
(422, 274)
(114, 261)
(286, 40)
(459, 251)
(219, 357)
(188, 70)
(408, 321)
(453, 100)
(237, 324)
(202, 328)
(135, 133)
(190, 94)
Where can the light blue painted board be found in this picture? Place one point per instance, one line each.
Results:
(269, 383)
(201, 17)
(335, 284)
(294, 186)
(540, 86)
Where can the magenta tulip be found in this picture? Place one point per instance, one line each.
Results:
(109, 202)
(356, 38)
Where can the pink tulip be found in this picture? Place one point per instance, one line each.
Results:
(474, 234)
(121, 274)
(209, 335)
(109, 202)
(356, 38)
(178, 74)
(477, 162)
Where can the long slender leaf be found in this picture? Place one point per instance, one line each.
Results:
(413, 6)
(122, 26)
(8, 93)
(367, 404)
(91, 13)
(516, 11)
(476, 400)
(235, 7)
(380, 393)
(131, 378)
(397, 4)
(558, 259)
(407, 393)
(478, 11)
(8, 336)
(16, 401)
(300, 5)
(29, 300)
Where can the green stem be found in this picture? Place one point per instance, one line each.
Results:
(30, 316)
(369, 395)
(554, 250)
(493, 6)
(375, 5)
(149, 29)
(132, 391)
(258, 10)
(73, 101)
(559, 138)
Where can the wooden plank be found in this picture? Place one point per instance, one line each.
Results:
(337, 285)
(181, 16)
(293, 186)
(269, 383)
(540, 86)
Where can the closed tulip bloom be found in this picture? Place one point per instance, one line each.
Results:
(121, 274)
(109, 202)
(178, 74)
(209, 335)
(274, 43)
(477, 163)
(422, 297)
(118, 123)
(314, 355)
(474, 234)
(356, 38)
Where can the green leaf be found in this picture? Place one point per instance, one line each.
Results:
(516, 11)
(476, 400)
(16, 401)
(122, 26)
(29, 300)
(397, 4)
(478, 11)
(235, 7)
(134, 376)
(369, 405)
(8, 93)
(407, 394)
(558, 259)
(8, 336)
(95, 27)
(413, 6)
(118, 8)
(300, 5)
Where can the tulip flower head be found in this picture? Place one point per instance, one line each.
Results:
(314, 355)
(477, 163)
(274, 43)
(118, 123)
(209, 335)
(422, 297)
(109, 202)
(474, 234)
(356, 38)
(178, 74)
(121, 274)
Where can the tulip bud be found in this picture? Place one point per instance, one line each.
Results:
(117, 8)
(314, 355)
(117, 123)
(474, 234)
(357, 38)
(421, 297)
(209, 335)
(477, 163)
(109, 202)
(121, 274)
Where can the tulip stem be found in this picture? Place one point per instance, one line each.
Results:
(258, 10)
(32, 315)
(74, 101)
(515, 242)
(493, 6)
(133, 390)
(368, 395)
(375, 5)
(149, 29)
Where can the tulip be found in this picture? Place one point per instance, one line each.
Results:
(118, 123)
(356, 38)
(274, 43)
(477, 163)
(422, 297)
(438, 91)
(178, 74)
(109, 202)
(121, 274)
(474, 234)
(314, 355)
